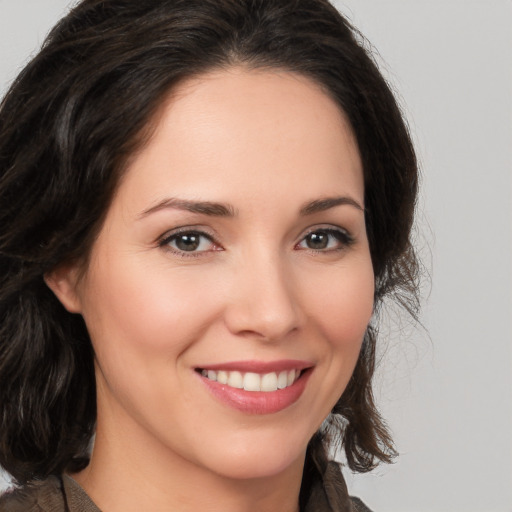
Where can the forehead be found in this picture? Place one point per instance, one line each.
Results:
(259, 129)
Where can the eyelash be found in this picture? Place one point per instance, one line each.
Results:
(168, 238)
(343, 238)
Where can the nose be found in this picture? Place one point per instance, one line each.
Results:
(263, 301)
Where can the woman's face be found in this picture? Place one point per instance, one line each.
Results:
(234, 253)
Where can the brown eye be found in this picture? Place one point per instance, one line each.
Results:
(325, 240)
(189, 241)
(317, 240)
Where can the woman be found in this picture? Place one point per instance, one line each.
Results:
(203, 205)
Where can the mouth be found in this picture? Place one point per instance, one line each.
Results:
(252, 381)
(257, 387)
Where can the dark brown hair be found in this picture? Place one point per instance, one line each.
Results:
(68, 125)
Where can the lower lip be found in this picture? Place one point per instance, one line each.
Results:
(258, 402)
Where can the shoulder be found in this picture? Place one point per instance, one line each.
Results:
(358, 505)
(40, 496)
(337, 492)
(331, 495)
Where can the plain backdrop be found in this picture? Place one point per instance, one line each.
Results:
(445, 388)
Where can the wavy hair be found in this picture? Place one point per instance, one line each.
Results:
(68, 126)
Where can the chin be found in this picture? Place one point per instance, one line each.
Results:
(260, 468)
(259, 459)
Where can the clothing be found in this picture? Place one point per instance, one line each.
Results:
(65, 495)
(51, 495)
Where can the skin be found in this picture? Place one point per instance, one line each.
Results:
(265, 143)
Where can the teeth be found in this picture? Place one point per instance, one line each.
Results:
(222, 377)
(235, 380)
(253, 381)
(282, 380)
(269, 382)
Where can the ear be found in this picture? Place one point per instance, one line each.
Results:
(63, 282)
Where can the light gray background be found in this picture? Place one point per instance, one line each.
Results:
(447, 390)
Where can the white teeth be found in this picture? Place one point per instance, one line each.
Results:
(235, 380)
(282, 380)
(222, 377)
(253, 381)
(269, 382)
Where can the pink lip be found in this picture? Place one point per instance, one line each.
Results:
(260, 366)
(257, 402)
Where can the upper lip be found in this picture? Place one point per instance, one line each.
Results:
(259, 366)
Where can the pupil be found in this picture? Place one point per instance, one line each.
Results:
(187, 242)
(318, 240)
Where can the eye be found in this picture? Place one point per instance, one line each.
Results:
(326, 239)
(189, 242)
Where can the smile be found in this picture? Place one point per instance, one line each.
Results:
(250, 381)
(257, 387)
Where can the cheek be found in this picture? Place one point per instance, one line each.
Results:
(343, 304)
(339, 312)
(145, 310)
(141, 321)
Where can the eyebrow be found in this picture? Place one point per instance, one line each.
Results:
(225, 210)
(320, 205)
(202, 207)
